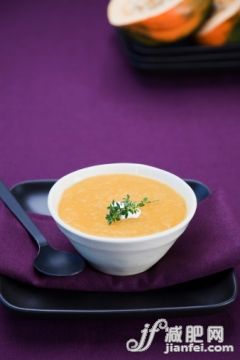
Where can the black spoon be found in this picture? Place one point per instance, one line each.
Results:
(49, 261)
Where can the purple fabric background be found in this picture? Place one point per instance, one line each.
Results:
(69, 99)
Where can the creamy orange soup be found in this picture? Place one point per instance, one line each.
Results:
(84, 205)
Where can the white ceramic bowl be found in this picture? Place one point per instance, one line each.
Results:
(114, 255)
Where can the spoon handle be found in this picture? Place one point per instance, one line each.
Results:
(13, 205)
(201, 190)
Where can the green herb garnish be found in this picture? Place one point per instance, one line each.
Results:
(116, 210)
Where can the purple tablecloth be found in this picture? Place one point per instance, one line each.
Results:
(69, 99)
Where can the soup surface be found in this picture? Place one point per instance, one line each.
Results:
(84, 205)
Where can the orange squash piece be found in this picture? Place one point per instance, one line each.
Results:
(222, 26)
(158, 20)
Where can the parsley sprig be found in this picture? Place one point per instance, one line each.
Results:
(117, 210)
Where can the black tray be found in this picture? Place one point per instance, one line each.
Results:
(184, 66)
(208, 294)
(167, 58)
(176, 49)
(180, 56)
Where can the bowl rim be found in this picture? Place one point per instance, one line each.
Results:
(109, 239)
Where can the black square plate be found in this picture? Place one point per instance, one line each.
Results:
(208, 294)
(180, 56)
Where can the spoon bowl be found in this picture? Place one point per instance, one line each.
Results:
(52, 262)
